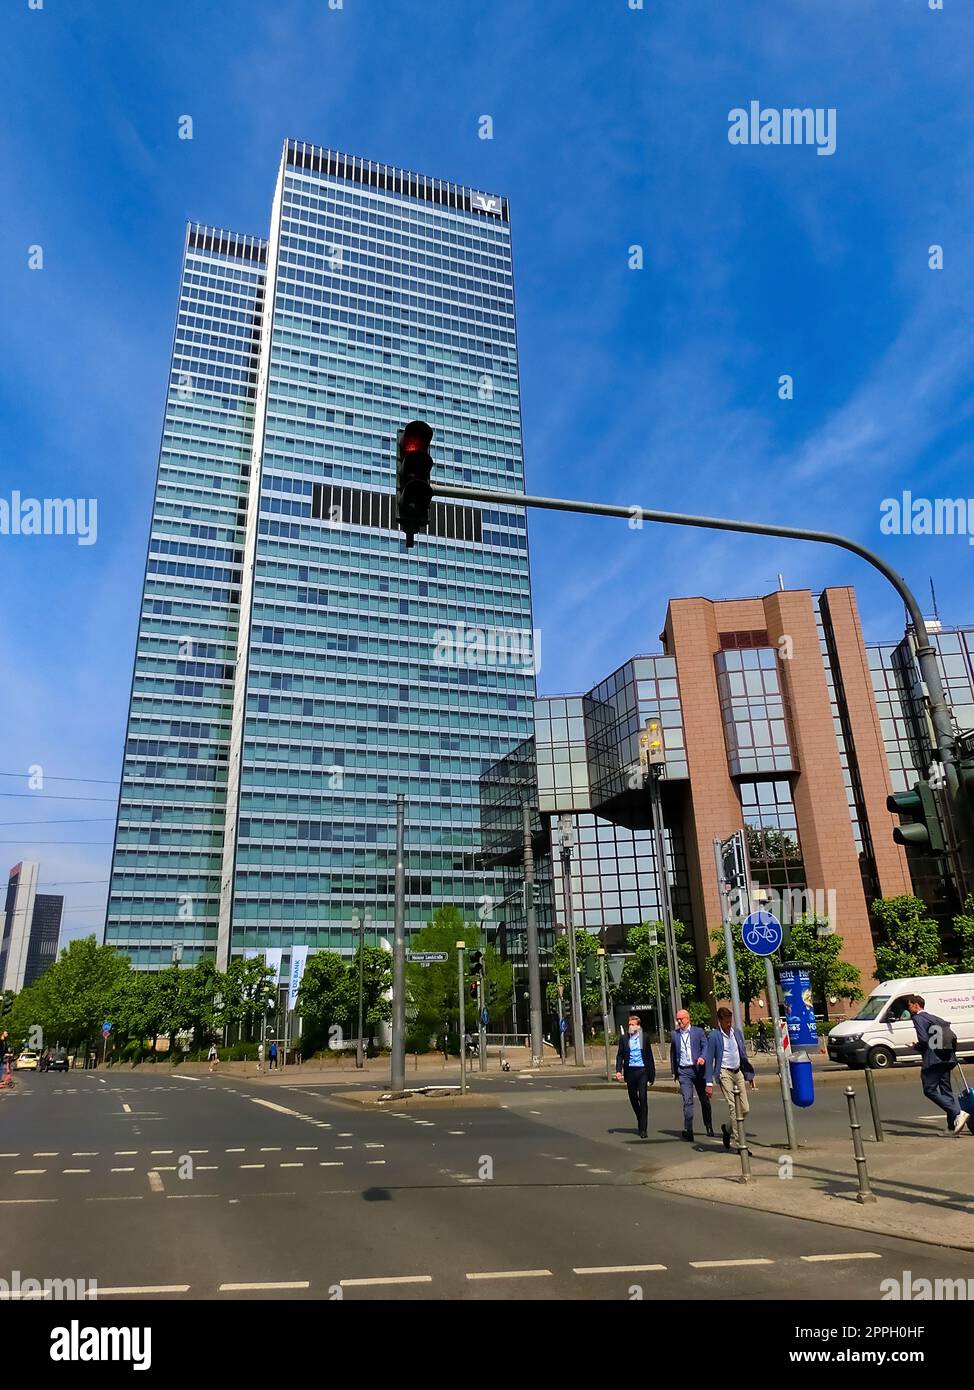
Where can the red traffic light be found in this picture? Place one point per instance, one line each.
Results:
(415, 438)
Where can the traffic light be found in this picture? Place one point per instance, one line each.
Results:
(919, 818)
(476, 962)
(473, 989)
(651, 749)
(413, 491)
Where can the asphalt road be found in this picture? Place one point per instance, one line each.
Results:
(176, 1187)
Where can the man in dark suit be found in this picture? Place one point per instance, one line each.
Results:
(635, 1066)
(727, 1065)
(688, 1048)
(936, 1045)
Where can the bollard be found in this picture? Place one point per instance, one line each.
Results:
(740, 1138)
(874, 1106)
(865, 1193)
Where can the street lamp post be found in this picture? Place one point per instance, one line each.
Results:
(534, 961)
(359, 1043)
(399, 954)
(566, 838)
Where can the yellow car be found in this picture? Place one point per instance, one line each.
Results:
(27, 1061)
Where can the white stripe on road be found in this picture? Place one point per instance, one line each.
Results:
(155, 1181)
(25, 1201)
(617, 1269)
(852, 1255)
(123, 1170)
(126, 1108)
(391, 1279)
(252, 1165)
(52, 1154)
(89, 1153)
(726, 1264)
(75, 1170)
(24, 1172)
(145, 1288)
(513, 1274)
(176, 1077)
(284, 1284)
(335, 1163)
(126, 1153)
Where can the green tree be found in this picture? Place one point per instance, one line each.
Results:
(199, 989)
(751, 977)
(829, 974)
(586, 947)
(328, 995)
(964, 927)
(247, 987)
(638, 982)
(433, 990)
(74, 997)
(376, 985)
(909, 941)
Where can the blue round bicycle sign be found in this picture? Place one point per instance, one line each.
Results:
(762, 933)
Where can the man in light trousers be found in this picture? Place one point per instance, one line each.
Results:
(729, 1064)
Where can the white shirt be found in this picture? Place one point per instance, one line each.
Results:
(732, 1053)
(686, 1059)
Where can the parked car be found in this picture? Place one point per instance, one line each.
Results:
(58, 1061)
(27, 1061)
(882, 1032)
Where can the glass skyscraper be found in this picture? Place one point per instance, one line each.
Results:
(296, 666)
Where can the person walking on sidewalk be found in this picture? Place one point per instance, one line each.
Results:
(937, 1045)
(727, 1063)
(260, 1056)
(635, 1066)
(273, 1056)
(688, 1061)
(213, 1056)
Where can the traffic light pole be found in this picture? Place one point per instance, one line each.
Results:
(666, 902)
(461, 1018)
(926, 654)
(534, 961)
(399, 954)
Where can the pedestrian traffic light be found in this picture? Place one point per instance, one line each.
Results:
(476, 962)
(919, 818)
(651, 750)
(473, 989)
(413, 491)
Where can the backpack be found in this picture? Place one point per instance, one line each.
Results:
(948, 1040)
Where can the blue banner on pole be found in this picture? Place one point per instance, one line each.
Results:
(796, 990)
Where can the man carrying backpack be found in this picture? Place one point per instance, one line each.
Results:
(937, 1044)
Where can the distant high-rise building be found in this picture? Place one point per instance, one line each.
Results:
(296, 667)
(31, 929)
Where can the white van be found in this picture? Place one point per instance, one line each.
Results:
(882, 1031)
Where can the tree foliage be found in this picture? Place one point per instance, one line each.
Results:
(909, 939)
(830, 976)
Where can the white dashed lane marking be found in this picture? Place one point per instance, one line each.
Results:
(617, 1269)
(512, 1274)
(852, 1255)
(389, 1279)
(726, 1264)
(248, 1288)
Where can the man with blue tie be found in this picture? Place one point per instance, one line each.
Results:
(728, 1064)
(688, 1060)
(635, 1066)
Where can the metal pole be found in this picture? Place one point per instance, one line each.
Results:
(735, 993)
(740, 1139)
(399, 954)
(481, 1028)
(865, 1193)
(360, 1044)
(534, 960)
(578, 1039)
(609, 1072)
(460, 1019)
(561, 1015)
(666, 904)
(874, 1106)
(659, 998)
(940, 716)
(772, 989)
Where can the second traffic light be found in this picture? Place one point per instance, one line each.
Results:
(413, 466)
(919, 817)
(476, 962)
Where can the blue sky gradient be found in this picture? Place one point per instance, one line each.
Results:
(656, 386)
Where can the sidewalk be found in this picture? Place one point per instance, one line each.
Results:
(924, 1186)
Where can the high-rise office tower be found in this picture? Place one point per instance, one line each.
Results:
(31, 929)
(296, 666)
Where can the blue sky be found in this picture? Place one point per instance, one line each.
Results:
(656, 386)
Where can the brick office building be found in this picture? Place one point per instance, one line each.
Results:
(778, 718)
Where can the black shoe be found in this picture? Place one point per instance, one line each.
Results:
(727, 1136)
(687, 1134)
(643, 1134)
(710, 1132)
